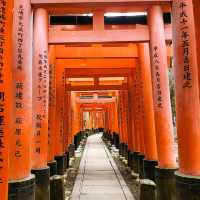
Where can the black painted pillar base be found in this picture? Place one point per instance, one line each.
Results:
(112, 138)
(53, 167)
(117, 141)
(165, 182)
(22, 189)
(67, 160)
(187, 187)
(121, 150)
(42, 182)
(57, 191)
(135, 162)
(71, 150)
(141, 166)
(126, 151)
(149, 169)
(130, 160)
(60, 164)
(147, 190)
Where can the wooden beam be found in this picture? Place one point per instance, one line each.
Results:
(60, 7)
(95, 101)
(92, 105)
(97, 63)
(99, 93)
(63, 51)
(111, 72)
(96, 87)
(59, 35)
(78, 83)
(96, 1)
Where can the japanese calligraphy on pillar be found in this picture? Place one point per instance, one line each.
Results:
(52, 88)
(52, 98)
(185, 37)
(19, 85)
(158, 91)
(42, 93)
(20, 37)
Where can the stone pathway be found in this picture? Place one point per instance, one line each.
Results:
(98, 177)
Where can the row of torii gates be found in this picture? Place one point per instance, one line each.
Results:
(44, 101)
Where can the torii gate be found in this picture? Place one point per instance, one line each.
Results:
(17, 110)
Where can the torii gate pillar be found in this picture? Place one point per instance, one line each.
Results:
(186, 65)
(21, 134)
(5, 94)
(40, 104)
(151, 158)
(162, 105)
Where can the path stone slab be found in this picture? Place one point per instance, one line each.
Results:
(102, 197)
(102, 190)
(98, 177)
(103, 182)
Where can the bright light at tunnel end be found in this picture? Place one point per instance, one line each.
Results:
(118, 14)
(128, 14)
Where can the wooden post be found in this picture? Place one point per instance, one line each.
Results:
(162, 106)
(60, 91)
(186, 63)
(6, 98)
(140, 119)
(149, 124)
(21, 136)
(40, 103)
(52, 111)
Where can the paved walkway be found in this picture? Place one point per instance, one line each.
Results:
(99, 177)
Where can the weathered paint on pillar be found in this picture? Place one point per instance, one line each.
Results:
(66, 121)
(124, 136)
(40, 89)
(21, 136)
(139, 110)
(65, 125)
(135, 129)
(101, 119)
(110, 117)
(70, 119)
(52, 104)
(187, 88)
(75, 115)
(149, 123)
(94, 119)
(162, 106)
(130, 120)
(127, 120)
(81, 120)
(115, 116)
(121, 130)
(67, 109)
(60, 89)
(90, 120)
(132, 111)
(5, 93)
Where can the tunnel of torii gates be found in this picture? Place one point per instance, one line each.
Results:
(110, 77)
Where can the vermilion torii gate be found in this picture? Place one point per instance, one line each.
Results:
(40, 114)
